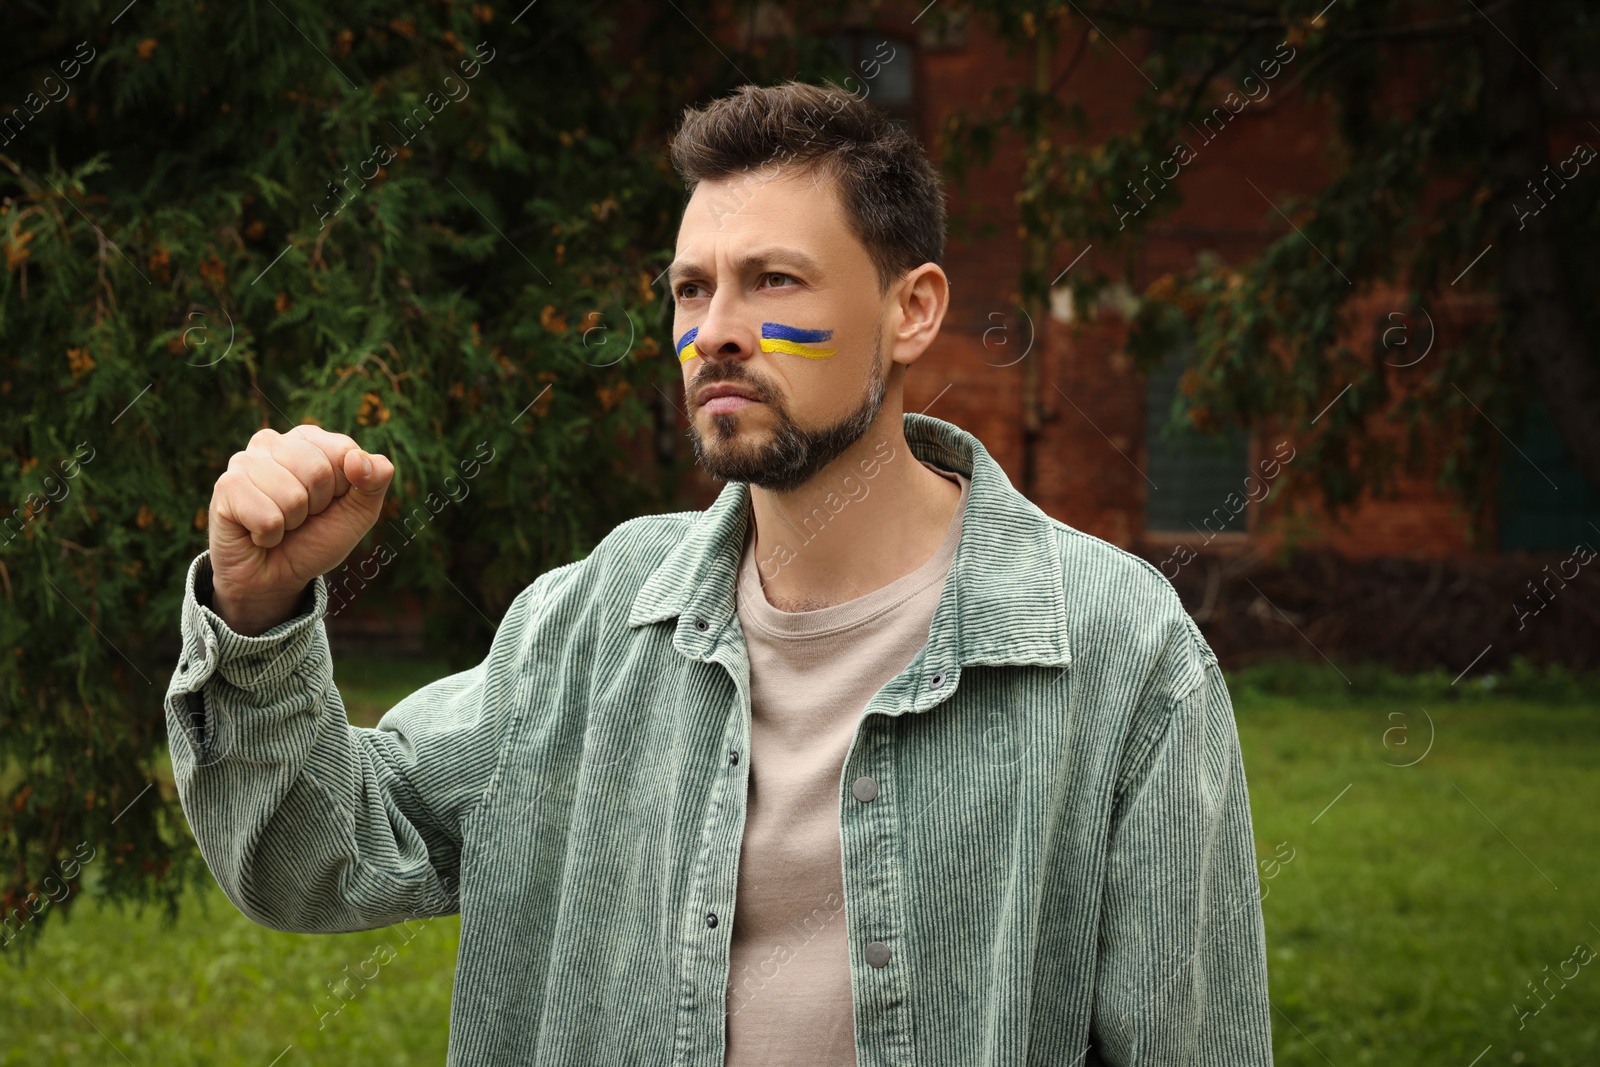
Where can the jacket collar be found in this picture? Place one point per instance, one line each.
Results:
(1003, 603)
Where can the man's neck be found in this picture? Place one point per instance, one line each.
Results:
(871, 516)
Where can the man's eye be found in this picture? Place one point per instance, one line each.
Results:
(686, 285)
(778, 274)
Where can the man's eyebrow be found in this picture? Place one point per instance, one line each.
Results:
(683, 268)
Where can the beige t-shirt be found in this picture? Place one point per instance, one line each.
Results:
(811, 675)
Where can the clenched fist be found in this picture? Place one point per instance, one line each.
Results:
(289, 507)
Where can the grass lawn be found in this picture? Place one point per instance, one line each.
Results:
(1417, 904)
(1421, 903)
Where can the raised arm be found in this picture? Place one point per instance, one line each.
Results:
(309, 823)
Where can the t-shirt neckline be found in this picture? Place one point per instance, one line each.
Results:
(821, 622)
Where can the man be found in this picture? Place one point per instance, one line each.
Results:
(872, 762)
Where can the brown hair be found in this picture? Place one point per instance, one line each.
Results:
(891, 194)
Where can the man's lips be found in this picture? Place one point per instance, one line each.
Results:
(721, 405)
(725, 397)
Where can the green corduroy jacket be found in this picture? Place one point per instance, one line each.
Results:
(1058, 866)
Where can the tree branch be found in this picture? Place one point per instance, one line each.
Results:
(1217, 68)
(1072, 64)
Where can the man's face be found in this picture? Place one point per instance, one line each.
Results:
(771, 280)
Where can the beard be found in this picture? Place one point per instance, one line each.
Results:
(791, 454)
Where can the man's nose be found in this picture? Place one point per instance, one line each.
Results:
(720, 336)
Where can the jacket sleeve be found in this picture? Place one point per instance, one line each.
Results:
(1182, 965)
(311, 824)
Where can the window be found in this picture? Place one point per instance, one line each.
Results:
(1546, 503)
(879, 66)
(1199, 478)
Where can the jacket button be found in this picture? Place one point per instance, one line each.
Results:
(701, 624)
(733, 756)
(711, 919)
(864, 788)
(878, 954)
(937, 680)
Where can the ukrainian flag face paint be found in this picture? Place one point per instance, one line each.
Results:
(776, 337)
(686, 348)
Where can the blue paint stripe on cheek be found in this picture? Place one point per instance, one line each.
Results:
(794, 333)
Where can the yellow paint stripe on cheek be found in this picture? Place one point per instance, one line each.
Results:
(795, 348)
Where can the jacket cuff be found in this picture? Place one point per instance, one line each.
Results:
(210, 647)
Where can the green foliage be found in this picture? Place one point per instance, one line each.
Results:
(436, 231)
